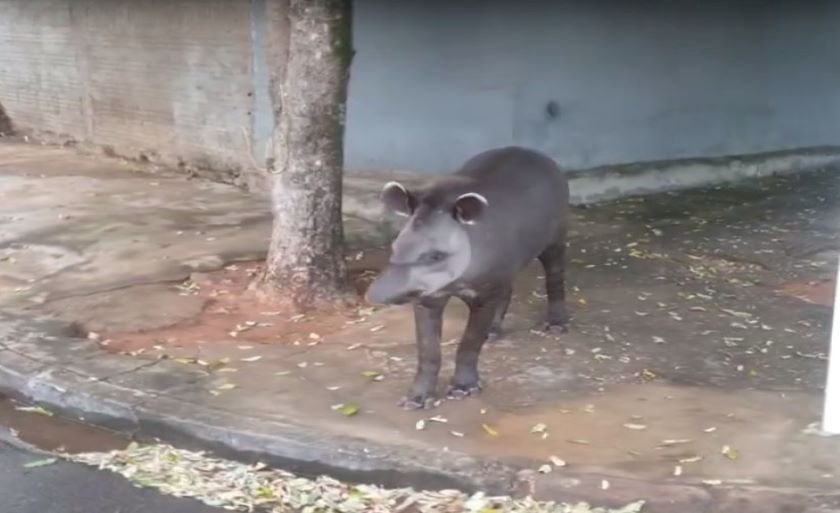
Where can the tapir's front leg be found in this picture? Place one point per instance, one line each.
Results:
(428, 324)
(482, 311)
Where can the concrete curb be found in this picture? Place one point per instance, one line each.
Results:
(42, 360)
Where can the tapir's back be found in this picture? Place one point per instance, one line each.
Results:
(527, 198)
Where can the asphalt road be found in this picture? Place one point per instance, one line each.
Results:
(72, 488)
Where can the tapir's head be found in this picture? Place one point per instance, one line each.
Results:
(433, 249)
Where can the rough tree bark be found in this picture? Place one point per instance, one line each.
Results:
(5, 122)
(305, 265)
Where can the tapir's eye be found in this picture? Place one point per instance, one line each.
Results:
(432, 257)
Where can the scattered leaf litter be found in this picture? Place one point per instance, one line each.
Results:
(237, 486)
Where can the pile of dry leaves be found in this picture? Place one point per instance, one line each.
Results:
(237, 486)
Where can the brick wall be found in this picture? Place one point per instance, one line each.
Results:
(168, 81)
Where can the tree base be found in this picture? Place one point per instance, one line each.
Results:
(300, 299)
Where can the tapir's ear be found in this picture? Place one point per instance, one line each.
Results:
(398, 199)
(469, 207)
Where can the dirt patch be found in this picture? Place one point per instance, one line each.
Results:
(231, 315)
(815, 292)
(134, 309)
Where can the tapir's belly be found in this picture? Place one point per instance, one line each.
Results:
(518, 230)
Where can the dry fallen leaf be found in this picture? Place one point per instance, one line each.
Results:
(373, 375)
(692, 459)
(579, 442)
(348, 410)
(635, 427)
(648, 375)
(35, 409)
(40, 463)
(539, 428)
(730, 453)
(676, 441)
(489, 430)
(557, 462)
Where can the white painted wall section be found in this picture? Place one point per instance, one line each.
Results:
(831, 411)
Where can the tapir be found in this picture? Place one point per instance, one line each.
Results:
(468, 235)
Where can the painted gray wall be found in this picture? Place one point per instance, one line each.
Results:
(435, 81)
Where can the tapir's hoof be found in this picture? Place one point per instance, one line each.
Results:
(458, 392)
(557, 327)
(418, 403)
(494, 335)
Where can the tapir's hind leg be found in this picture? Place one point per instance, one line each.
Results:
(553, 260)
(499, 315)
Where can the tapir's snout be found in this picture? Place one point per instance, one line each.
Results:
(391, 287)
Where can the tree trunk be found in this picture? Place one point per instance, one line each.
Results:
(5, 122)
(305, 265)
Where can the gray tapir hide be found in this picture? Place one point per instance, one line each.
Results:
(468, 235)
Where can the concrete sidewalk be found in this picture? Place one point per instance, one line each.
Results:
(690, 376)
